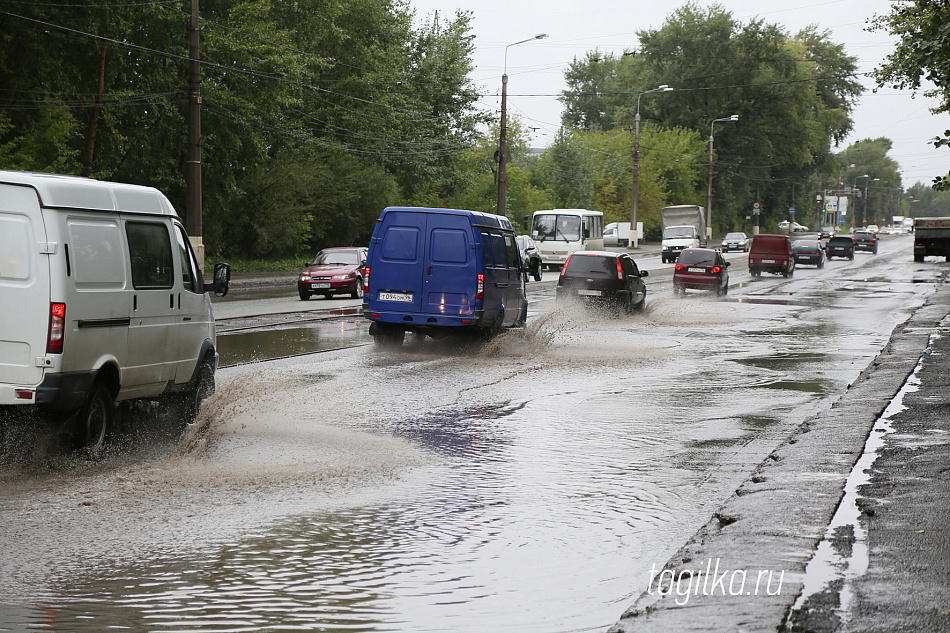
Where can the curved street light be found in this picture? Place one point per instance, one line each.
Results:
(503, 131)
(734, 117)
(635, 190)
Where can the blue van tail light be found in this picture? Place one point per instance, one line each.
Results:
(366, 280)
(480, 287)
(57, 328)
(619, 270)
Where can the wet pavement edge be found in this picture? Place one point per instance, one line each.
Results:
(775, 520)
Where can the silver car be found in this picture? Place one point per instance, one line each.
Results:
(735, 242)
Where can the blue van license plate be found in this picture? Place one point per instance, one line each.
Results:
(396, 296)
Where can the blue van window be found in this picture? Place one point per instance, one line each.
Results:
(448, 246)
(400, 242)
(488, 253)
(513, 254)
(500, 251)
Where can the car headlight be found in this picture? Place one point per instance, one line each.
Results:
(304, 277)
(347, 276)
(666, 248)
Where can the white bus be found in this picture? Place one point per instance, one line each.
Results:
(560, 232)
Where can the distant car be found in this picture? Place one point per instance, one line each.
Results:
(603, 278)
(333, 271)
(793, 227)
(808, 252)
(865, 241)
(530, 255)
(827, 232)
(735, 242)
(840, 246)
(873, 228)
(611, 236)
(701, 269)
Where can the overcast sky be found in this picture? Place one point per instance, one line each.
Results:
(535, 69)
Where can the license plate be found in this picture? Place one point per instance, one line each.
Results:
(768, 261)
(315, 286)
(396, 296)
(590, 293)
(693, 269)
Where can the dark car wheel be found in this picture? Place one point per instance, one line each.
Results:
(537, 271)
(304, 296)
(851, 256)
(358, 293)
(95, 421)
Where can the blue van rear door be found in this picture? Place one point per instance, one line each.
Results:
(397, 271)
(450, 275)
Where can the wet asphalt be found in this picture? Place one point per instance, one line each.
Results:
(732, 568)
(745, 570)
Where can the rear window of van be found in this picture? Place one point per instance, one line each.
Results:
(400, 243)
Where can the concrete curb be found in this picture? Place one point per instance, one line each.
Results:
(775, 520)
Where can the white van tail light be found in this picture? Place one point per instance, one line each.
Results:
(57, 328)
(480, 287)
(366, 280)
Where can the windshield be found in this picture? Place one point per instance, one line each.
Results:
(592, 264)
(336, 258)
(678, 231)
(734, 236)
(698, 256)
(553, 226)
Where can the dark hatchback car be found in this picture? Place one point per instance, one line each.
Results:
(840, 246)
(808, 252)
(865, 241)
(530, 255)
(333, 271)
(701, 269)
(603, 278)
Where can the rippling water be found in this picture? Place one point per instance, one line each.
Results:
(557, 476)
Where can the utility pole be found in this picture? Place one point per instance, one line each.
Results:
(193, 169)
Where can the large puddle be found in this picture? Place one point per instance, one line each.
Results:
(524, 485)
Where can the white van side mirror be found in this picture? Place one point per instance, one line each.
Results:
(221, 280)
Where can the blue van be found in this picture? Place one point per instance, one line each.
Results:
(441, 271)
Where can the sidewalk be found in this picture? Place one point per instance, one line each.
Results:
(777, 518)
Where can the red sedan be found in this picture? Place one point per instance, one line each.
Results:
(334, 271)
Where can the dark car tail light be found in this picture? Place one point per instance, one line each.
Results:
(619, 270)
(678, 268)
(366, 280)
(57, 328)
(480, 287)
(716, 270)
(564, 267)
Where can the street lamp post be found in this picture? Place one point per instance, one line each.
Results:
(503, 131)
(855, 192)
(864, 212)
(734, 117)
(635, 190)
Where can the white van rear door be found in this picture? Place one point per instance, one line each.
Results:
(24, 290)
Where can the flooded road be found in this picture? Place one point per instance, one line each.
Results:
(528, 484)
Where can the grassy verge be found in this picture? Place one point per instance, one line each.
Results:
(261, 265)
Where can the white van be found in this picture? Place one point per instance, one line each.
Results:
(101, 300)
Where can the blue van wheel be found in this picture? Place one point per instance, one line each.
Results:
(389, 337)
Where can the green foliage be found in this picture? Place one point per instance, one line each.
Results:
(793, 95)
(923, 52)
(315, 113)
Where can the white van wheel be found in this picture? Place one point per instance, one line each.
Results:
(95, 420)
(203, 389)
